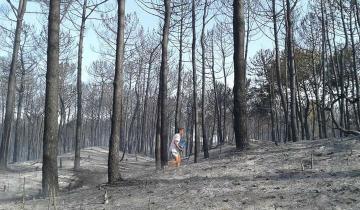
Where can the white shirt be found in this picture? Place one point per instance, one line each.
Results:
(176, 139)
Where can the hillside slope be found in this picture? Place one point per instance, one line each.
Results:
(264, 177)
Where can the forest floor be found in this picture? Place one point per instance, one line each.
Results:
(264, 177)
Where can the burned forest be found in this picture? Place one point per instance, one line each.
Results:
(179, 104)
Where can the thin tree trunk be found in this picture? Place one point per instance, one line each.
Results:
(355, 77)
(292, 73)
(79, 90)
(178, 92)
(225, 92)
(324, 70)
(277, 66)
(272, 116)
(10, 99)
(195, 106)
(306, 113)
(217, 111)
(19, 111)
(145, 111)
(202, 40)
(98, 120)
(157, 136)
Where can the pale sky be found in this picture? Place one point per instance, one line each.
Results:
(148, 21)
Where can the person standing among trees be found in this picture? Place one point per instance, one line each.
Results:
(175, 147)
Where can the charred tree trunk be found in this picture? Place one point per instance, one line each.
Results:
(163, 85)
(324, 69)
(19, 111)
(240, 112)
(157, 136)
(145, 111)
(203, 125)
(178, 92)
(291, 69)
(355, 77)
(306, 113)
(195, 106)
(10, 99)
(217, 111)
(98, 120)
(113, 160)
(50, 184)
(277, 67)
(272, 115)
(79, 90)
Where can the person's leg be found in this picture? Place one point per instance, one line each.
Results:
(173, 162)
(177, 160)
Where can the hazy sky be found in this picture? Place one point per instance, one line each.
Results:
(91, 40)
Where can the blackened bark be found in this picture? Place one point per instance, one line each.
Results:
(50, 184)
(98, 118)
(272, 115)
(292, 73)
(277, 67)
(157, 136)
(19, 111)
(324, 69)
(116, 119)
(195, 106)
(217, 103)
(79, 90)
(306, 113)
(144, 131)
(178, 92)
(355, 74)
(240, 112)
(225, 93)
(163, 85)
(10, 99)
(203, 124)
(316, 89)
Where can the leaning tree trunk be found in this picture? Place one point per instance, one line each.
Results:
(79, 90)
(113, 160)
(163, 85)
(240, 112)
(10, 99)
(50, 184)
